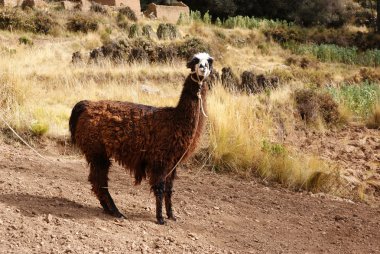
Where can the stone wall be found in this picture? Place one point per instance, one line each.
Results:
(168, 13)
(133, 4)
(10, 3)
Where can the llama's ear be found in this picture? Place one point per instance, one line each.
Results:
(210, 61)
(192, 63)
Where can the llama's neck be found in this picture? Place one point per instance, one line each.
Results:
(189, 103)
(189, 115)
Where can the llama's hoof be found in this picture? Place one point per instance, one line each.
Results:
(172, 217)
(160, 221)
(118, 214)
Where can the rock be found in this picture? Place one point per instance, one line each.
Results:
(49, 218)
(33, 3)
(68, 5)
(77, 57)
(193, 236)
(9, 3)
(149, 89)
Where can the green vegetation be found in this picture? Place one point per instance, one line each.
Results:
(361, 99)
(333, 53)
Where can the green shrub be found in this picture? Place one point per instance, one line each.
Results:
(25, 40)
(183, 19)
(39, 129)
(196, 16)
(134, 31)
(167, 31)
(359, 98)
(333, 53)
(122, 21)
(218, 22)
(82, 23)
(207, 18)
(148, 32)
(241, 22)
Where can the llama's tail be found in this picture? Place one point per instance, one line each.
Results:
(75, 114)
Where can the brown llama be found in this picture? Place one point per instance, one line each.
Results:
(148, 141)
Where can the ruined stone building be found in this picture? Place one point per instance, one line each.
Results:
(133, 4)
(169, 13)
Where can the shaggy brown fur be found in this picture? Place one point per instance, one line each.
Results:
(146, 140)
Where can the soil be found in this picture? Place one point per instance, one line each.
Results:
(354, 149)
(47, 207)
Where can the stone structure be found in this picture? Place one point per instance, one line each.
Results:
(169, 13)
(9, 3)
(82, 5)
(133, 4)
(23, 3)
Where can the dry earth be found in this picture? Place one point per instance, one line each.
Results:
(47, 207)
(353, 148)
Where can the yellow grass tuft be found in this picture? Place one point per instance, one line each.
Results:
(241, 134)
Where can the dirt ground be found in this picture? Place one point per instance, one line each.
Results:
(354, 149)
(47, 207)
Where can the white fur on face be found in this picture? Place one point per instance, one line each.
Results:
(203, 67)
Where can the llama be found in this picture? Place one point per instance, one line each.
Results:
(148, 141)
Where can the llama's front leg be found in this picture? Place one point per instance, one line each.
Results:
(168, 199)
(158, 190)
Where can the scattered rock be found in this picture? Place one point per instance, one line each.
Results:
(77, 57)
(49, 218)
(193, 236)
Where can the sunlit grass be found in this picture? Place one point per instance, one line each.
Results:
(241, 128)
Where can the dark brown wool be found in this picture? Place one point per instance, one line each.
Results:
(146, 140)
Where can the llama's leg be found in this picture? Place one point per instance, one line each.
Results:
(168, 199)
(158, 190)
(99, 167)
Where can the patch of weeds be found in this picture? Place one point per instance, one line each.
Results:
(312, 106)
(25, 40)
(82, 23)
(38, 128)
(128, 13)
(167, 32)
(359, 98)
(98, 8)
(134, 31)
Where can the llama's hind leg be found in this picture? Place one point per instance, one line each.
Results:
(168, 199)
(99, 168)
(158, 190)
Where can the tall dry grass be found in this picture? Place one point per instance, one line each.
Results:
(242, 139)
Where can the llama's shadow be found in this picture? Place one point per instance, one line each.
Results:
(33, 205)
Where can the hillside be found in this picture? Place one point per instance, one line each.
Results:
(290, 154)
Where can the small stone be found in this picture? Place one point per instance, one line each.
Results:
(49, 218)
(193, 236)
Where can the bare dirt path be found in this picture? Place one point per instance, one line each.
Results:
(48, 208)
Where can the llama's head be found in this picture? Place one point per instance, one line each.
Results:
(201, 64)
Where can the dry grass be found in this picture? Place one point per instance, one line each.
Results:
(243, 140)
